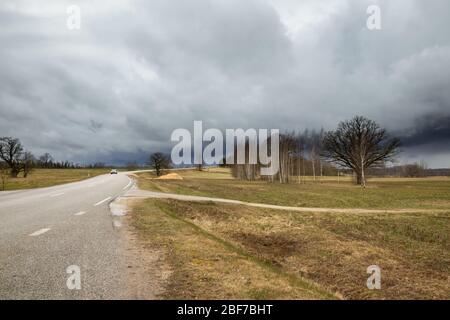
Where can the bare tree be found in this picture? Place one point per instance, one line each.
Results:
(28, 163)
(300, 157)
(314, 146)
(414, 170)
(11, 152)
(314, 156)
(159, 162)
(320, 138)
(4, 174)
(359, 144)
(246, 171)
(46, 160)
(287, 150)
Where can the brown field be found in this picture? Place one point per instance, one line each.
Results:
(381, 193)
(235, 252)
(40, 178)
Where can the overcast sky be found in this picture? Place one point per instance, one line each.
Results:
(114, 90)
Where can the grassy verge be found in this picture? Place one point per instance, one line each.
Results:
(226, 251)
(206, 266)
(40, 178)
(382, 193)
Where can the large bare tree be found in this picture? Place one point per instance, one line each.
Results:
(11, 152)
(359, 144)
(159, 161)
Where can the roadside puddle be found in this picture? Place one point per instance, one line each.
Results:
(118, 209)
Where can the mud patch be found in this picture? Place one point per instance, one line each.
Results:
(208, 210)
(274, 245)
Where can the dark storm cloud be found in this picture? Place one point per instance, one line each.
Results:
(137, 70)
(432, 129)
(428, 140)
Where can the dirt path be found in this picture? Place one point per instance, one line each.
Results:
(138, 193)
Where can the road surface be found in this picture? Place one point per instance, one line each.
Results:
(43, 232)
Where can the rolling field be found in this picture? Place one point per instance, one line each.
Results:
(40, 178)
(215, 251)
(381, 193)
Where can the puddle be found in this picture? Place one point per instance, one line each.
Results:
(117, 223)
(118, 208)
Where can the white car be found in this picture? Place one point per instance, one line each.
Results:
(113, 171)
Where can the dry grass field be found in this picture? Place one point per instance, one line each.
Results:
(40, 178)
(225, 251)
(381, 193)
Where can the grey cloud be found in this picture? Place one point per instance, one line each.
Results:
(432, 129)
(137, 70)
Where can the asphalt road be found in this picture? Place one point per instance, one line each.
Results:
(45, 231)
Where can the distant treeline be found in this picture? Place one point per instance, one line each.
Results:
(15, 159)
(46, 161)
(358, 147)
(415, 170)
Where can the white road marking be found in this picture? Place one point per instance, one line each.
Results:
(80, 213)
(129, 184)
(56, 194)
(103, 201)
(39, 232)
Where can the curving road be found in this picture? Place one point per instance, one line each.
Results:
(44, 231)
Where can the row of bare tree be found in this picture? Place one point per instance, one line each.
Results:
(357, 145)
(299, 156)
